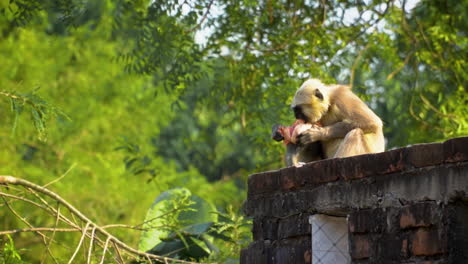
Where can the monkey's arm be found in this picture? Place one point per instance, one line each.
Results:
(314, 134)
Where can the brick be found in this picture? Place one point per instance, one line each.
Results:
(265, 229)
(258, 252)
(361, 166)
(456, 149)
(289, 179)
(293, 226)
(404, 248)
(428, 242)
(430, 262)
(393, 160)
(423, 155)
(263, 182)
(293, 251)
(355, 167)
(419, 215)
(388, 247)
(458, 232)
(367, 220)
(319, 172)
(360, 247)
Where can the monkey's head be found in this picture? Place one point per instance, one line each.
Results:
(311, 101)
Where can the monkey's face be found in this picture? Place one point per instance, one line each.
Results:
(311, 102)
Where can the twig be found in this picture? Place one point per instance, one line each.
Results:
(397, 70)
(53, 232)
(433, 108)
(30, 225)
(116, 248)
(46, 229)
(61, 177)
(54, 212)
(115, 241)
(79, 243)
(24, 200)
(203, 18)
(355, 64)
(91, 245)
(104, 251)
(38, 229)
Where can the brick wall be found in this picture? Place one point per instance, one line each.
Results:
(408, 205)
(422, 232)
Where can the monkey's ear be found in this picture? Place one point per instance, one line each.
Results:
(318, 94)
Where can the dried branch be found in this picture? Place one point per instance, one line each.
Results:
(397, 70)
(44, 237)
(203, 18)
(356, 63)
(91, 245)
(118, 245)
(57, 219)
(104, 251)
(61, 177)
(79, 243)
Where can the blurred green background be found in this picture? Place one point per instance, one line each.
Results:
(127, 99)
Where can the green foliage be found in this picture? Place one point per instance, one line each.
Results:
(39, 109)
(233, 232)
(166, 94)
(10, 254)
(185, 226)
(175, 223)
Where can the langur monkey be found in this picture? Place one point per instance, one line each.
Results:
(348, 125)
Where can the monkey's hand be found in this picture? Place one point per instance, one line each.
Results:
(313, 134)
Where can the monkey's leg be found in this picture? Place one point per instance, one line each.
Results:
(292, 155)
(354, 143)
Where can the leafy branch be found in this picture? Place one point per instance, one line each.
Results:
(39, 109)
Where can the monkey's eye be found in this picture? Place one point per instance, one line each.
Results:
(318, 94)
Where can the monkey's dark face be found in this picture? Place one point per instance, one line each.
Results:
(299, 114)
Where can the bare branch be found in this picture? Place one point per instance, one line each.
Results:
(91, 245)
(61, 177)
(118, 245)
(203, 18)
(104, 251)
(79, 243)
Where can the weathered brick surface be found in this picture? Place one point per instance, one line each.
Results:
(408, 205)
(263, 182)
(265, 229)
(427, 242)
(373, 164)
(319, 172)
(458, 232)
(404, 253)
(281, 228)
(368, 220)
(436, 182)
(456, 149)
(360, 247)
(293, 226)
(258, 252)
(422, 155)
(296, 250)
(358, 167)
(389, 247)
(290, 180)
(419, 215)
